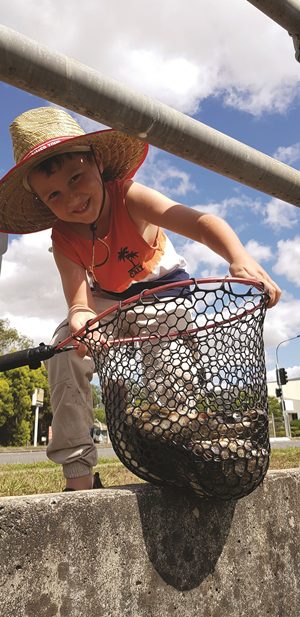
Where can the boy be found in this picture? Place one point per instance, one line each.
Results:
(108, 244)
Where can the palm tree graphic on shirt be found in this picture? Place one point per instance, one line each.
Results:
(123, 254)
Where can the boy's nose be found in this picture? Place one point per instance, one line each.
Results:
(73, 198)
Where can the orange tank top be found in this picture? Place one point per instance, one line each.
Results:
(127, 258)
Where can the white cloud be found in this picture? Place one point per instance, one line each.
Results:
(259, 98)
(279, 214)
(177, 78)
(260, 252)
(288, 260)
(202, 261)
(31, 295)
(288, 154)
(292, 371)
(175, 51)
(158, 174)
(271, 375)
(37, 329)
(282, 321)
(230, 206)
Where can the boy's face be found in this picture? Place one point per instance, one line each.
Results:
(73, 192)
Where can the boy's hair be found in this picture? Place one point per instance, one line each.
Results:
(49, 165)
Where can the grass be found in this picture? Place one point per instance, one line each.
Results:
(46, 477)
(285, 458)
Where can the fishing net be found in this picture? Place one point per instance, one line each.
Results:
(184, 385)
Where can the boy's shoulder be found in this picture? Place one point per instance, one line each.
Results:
(119, 188)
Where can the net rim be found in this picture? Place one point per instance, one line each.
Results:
(118, 306)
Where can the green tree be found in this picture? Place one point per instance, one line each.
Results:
(97, 397)
(16, 389)
(10, 339)
(6, 401)
(295, 428)
(275, 412)
(99, 414)
(16, 412)
(274, 407)
(98, 407)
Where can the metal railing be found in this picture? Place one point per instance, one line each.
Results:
(3, 246)
(62, 80)
(286, 13)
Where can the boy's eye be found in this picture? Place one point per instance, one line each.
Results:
(53, 195)
(75, 177)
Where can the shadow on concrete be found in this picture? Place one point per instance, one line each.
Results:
(184, 535)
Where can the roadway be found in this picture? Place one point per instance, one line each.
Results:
(38, 456)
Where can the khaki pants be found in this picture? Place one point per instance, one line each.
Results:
(69, 378)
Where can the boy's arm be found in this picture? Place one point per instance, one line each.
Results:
(77, 293)
(145, 204)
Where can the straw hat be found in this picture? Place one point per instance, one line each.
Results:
(41, 133)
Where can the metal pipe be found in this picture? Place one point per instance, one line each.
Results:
(281, 343)
(35, 68)
(3, 246)
(286, 13)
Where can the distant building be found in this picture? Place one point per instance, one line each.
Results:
(291, 394)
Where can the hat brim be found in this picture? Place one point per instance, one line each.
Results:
(20, 211)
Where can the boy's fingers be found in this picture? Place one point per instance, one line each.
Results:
(273, 290)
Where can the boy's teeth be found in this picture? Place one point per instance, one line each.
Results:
(82, 208)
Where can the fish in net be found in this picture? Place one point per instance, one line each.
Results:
(183, 382)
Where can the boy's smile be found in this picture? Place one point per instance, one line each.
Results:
(73, 192)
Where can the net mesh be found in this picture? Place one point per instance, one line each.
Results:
(184, 386)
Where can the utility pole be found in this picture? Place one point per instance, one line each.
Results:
(37, 402)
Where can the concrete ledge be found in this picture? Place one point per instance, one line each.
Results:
(141, 551)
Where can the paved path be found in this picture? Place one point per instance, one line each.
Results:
(284, 442)
(39, 456)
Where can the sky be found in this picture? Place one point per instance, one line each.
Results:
(223, 63)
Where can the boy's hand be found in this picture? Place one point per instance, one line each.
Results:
(77, 320)
(78, 316)
(249, 268)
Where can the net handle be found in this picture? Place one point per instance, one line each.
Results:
(150, 292)
(32, 357)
